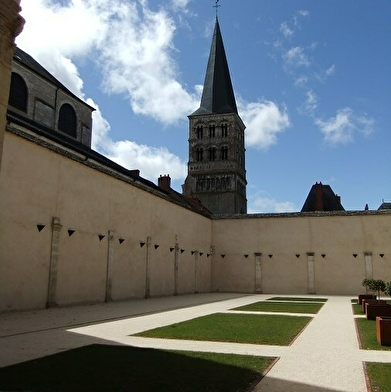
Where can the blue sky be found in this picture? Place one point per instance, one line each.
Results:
(311, 80)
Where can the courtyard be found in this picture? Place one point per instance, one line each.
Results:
(261, 342)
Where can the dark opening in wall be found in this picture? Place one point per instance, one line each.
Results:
(67, 120)
(18, 92)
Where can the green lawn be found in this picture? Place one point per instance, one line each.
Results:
(357, 309)
(367, 333)
(287, 307)
(103, 368)
(237, 328)
(297, 299)
(379, 375)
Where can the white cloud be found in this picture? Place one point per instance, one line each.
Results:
(180, 4)
(131, 44)
(133, 47)
(301, 81)
(330, 71)
(286, 30)
(342, 128)
(303, 13)
(296, 57)
(151, 161)
(310, 104)
(264, 121)
(261, 202)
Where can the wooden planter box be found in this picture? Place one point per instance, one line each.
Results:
(383, 330)
(372, 301)
(365, 296)
(374, 310)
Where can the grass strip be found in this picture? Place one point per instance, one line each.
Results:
(236, 328)
(357, 309)
(367, 335)
(286, 307)
(103, 368)
(297, 299)
(379, 375)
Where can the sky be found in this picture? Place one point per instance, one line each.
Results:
(311, 79)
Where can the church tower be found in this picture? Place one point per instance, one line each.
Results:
(216, 167)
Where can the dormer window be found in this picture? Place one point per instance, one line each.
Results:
(18, 92)
(67, 120)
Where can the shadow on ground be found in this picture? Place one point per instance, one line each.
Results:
(122, 368)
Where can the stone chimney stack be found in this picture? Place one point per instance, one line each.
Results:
(164, 182)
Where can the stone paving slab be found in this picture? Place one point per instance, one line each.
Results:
(325, 357)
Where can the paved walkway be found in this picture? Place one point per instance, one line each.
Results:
(324, 358)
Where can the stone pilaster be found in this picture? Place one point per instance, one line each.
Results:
(311, 272)
(147, 268)
(196, 255)
(109, 271)
(258, 273)
(11, 25)
(368, 265)
(54, 254)
(176, 268)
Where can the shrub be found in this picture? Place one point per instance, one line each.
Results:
(375, 285)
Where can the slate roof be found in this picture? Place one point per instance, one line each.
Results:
(29, 62)
(322, 198)
(218, 94)
(385, 206)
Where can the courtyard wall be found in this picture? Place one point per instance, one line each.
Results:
(73, 231)
(324, 253)
(103, 238)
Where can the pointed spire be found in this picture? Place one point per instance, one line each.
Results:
(218, 95)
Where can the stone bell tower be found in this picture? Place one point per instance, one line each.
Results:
(216, 166)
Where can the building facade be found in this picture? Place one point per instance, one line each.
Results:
(216, 166)
(77, 228)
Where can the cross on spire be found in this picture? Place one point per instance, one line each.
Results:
(217, 5)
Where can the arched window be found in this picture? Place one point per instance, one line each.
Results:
(224, 153)
(67, 121)
(199, 154)
(18, 92)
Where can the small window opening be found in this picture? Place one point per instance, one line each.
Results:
(67, 121)
(18, 92)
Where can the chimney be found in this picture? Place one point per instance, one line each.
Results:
(319, 197)
(164, 182)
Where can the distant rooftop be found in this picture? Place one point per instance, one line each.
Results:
(322, 198)
(385, 206)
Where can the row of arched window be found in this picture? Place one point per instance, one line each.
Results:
(212, 154)
(18, 98)
(199, 131)
(213, 184)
